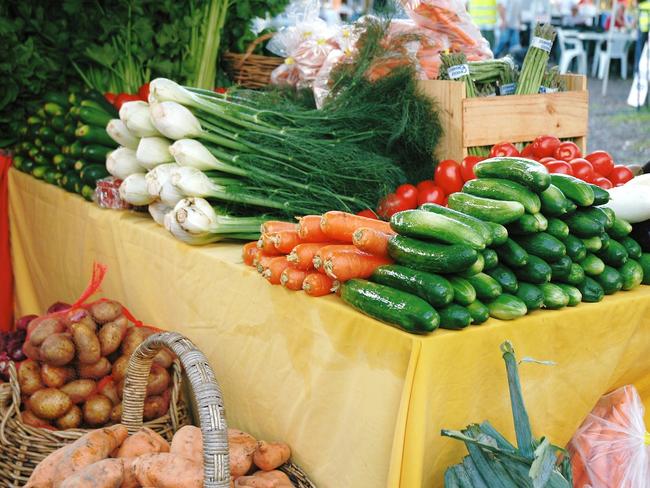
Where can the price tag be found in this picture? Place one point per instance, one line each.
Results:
(545, 89)
(508, 89)
(458, 71)
(541, 43)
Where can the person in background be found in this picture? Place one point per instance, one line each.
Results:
(510, 16)
(484, 15)
(643, 26)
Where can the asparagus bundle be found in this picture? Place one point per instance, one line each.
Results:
(534, 67)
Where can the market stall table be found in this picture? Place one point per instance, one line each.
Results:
(361, 403)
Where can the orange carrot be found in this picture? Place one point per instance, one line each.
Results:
(248, 253)
(340, 226)
(266, 245)
(271, 226)
(285, 240)
(275, 269)
(348, 265)
(309, 229)
(292, 278)
(264, 261)
(302, 256)
(326, 252)
(371, 241)
(318, 284)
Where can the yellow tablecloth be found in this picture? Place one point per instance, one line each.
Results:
(361, 403)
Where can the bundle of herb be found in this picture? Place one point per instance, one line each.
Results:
(536, 60)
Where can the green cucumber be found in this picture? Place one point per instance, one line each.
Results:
(505, 277)
(464, 292)
(600, 215)
(575, 297)
(500, 189)
(632, 274)
(610, 213)
(427, 256)
(644, 261)
(557, 228)
(543, 245)
(487, 288)
(575, 248)
(592, 265)
(478, 225)
(475, 268)
(542, 221)
(486, 209)
(479, 312)
(615, 255)
(604, 241)
(526, 224)
(433, 226)
(507, 307)
(490, 259)
(582, 225)
(593, 244)
(531, 295)
(392, 306)
(610, 280)
(561, 269)
(591, 290)
(499, 233)
(574, 189)
(570, 207)
(94, 117)
(632, 247)
(576, 275)
(90, 174)
(512, 254)
(620, 228)
(554, 296)
(430, 287)
(94, 135)
(601, 196)
(96, 154)
(553, 201)
(536, 271)
(531, 174)
(454, 317)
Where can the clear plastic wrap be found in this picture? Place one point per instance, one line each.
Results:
(107, 194)
(611, 448)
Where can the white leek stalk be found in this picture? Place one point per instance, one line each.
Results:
(194, 183)
(120, 133)
(176, 230)
(190, 152)
(196, 216)
(175, 121)
(158, 210)
(158, 176)
(138, 120)
(129, 108)
(153, 151)
(170, 194)
(134, 190)
(122, 163)
(164, 90)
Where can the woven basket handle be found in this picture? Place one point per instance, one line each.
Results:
(252, 46)
(206, 391)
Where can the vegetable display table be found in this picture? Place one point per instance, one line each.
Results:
(361, 403)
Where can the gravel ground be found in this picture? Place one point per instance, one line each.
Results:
(616, 127)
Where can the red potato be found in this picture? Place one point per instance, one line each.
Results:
(188, 442)
(145, 441)
(111, 335)
(58, 349)
(118, 372)
(271, 455)
(166, 470)
(56, 376)
(41, 328)
(87, 344)
(241, 447)
(49, 403)
(71, 419)
(264, 479)
(95, 371)
(79, 390)
(97, 410)
(107, 473)
(105, 311)
(29, 377)
(158, 381)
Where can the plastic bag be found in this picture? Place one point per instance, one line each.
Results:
(107, 194)
(611, 448)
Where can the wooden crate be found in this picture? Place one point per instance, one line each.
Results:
(484, 121)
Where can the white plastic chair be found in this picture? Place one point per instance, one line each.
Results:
(571, 48)
(618, 51)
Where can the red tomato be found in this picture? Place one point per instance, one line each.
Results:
(527, 152)
(503, 149)
(582, 169)
(122, 98)
(368, 213)
(143, 92)
(545, 146)
(547, 159)
(620, 175)
(602, 182)
(110, 97)
(448, 177)
(430, 193)
(409, 194)
(567, 151)
(391, 204)
(601, 161)
(467, 167)
(424, 185)
(561, 167)
(221, 90)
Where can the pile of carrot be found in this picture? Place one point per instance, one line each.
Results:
(320, 251)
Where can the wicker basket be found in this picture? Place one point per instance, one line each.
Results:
(22, 447)
(251, 70)
(209, 400)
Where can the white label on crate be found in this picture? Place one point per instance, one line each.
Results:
(541, 43)
(545, 89)
(508, 89)
(458, 71)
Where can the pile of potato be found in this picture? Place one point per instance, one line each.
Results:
(77, 361)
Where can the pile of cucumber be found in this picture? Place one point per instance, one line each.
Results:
(514, 240)
(65, 142)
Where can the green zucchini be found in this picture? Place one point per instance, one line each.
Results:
(543, 245)
(60, 140)
(75, 149)
(560, 269)
(96, 154)
(41, 113)
(38, 142)
(575, 297)
(475, 268)
(46, 133)
(499, 233)
(431, 257)
(27, 166)
(490, 259)
(80, 164)
(574, 189)
(100, 99)
(39, 171)
(505, 277)
(507, 307)
(531, 295)
(593, 244)
(531, 174)
(41, 160)
(592, 265)
(486, 209)
(601, 196)
(53, 109)
(575, 248)
(526, 224)
(501, 189)
(644, 261)
(553, 202)
(34, 120)
(600, 215)
(536, 271)
(94, 135)
(52, 176)
(454, 317)
(582, 225)
(554, 296)
(71, 182)
(632, 247)
(94, 117)
(57, 123)
(430, 287)
(87, 192)
(620, 228)
(433, 226)
(591, 290)
(69, 129)
(610, 280)
(632, 274)
(90, 174)
(512, 254)
(487, 288)
(479, 312)
(615, 255)
(56, 97)
(464, 292)
(392, 306)
(478, 225)
(17, 162)
(49, 149)
(557, 228)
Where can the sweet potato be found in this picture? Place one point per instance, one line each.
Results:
(107, 473)
(108, 388)
(155, 407)
(145, 441)
(49, 403)
(111, 335)
(164, 358)
(58, 349)
(31, 351)
(168, 471)
(134, 337)
(97, 410)
(105, 311)
(71, 419)
(271, 455)
(87, 344)
(29, 377)
(188, 442)
(32, 420)
(95, 371)
(43, 327)
(130, 480)
(56, 376)
(241, 447)
(79, 390)
(116, 413)
(264, 479)
(158, 381)
(120, 366)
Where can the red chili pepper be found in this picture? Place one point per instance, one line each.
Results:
(467, 167)
(527, 152)
(567, 151)
(503, 149)
(428, 192)
(602, 182)
(409, 194)
(448, 177)
(122, 98)
(368, 213)
(582, 169)
(110, 97)
(143, 92)
(619, 175)
(544, 146)
(561, 167)
(601, 161)
(221, 90)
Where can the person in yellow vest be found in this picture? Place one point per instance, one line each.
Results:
(484, 15)
(643, 26)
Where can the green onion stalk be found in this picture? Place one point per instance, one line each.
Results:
(536, 60)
